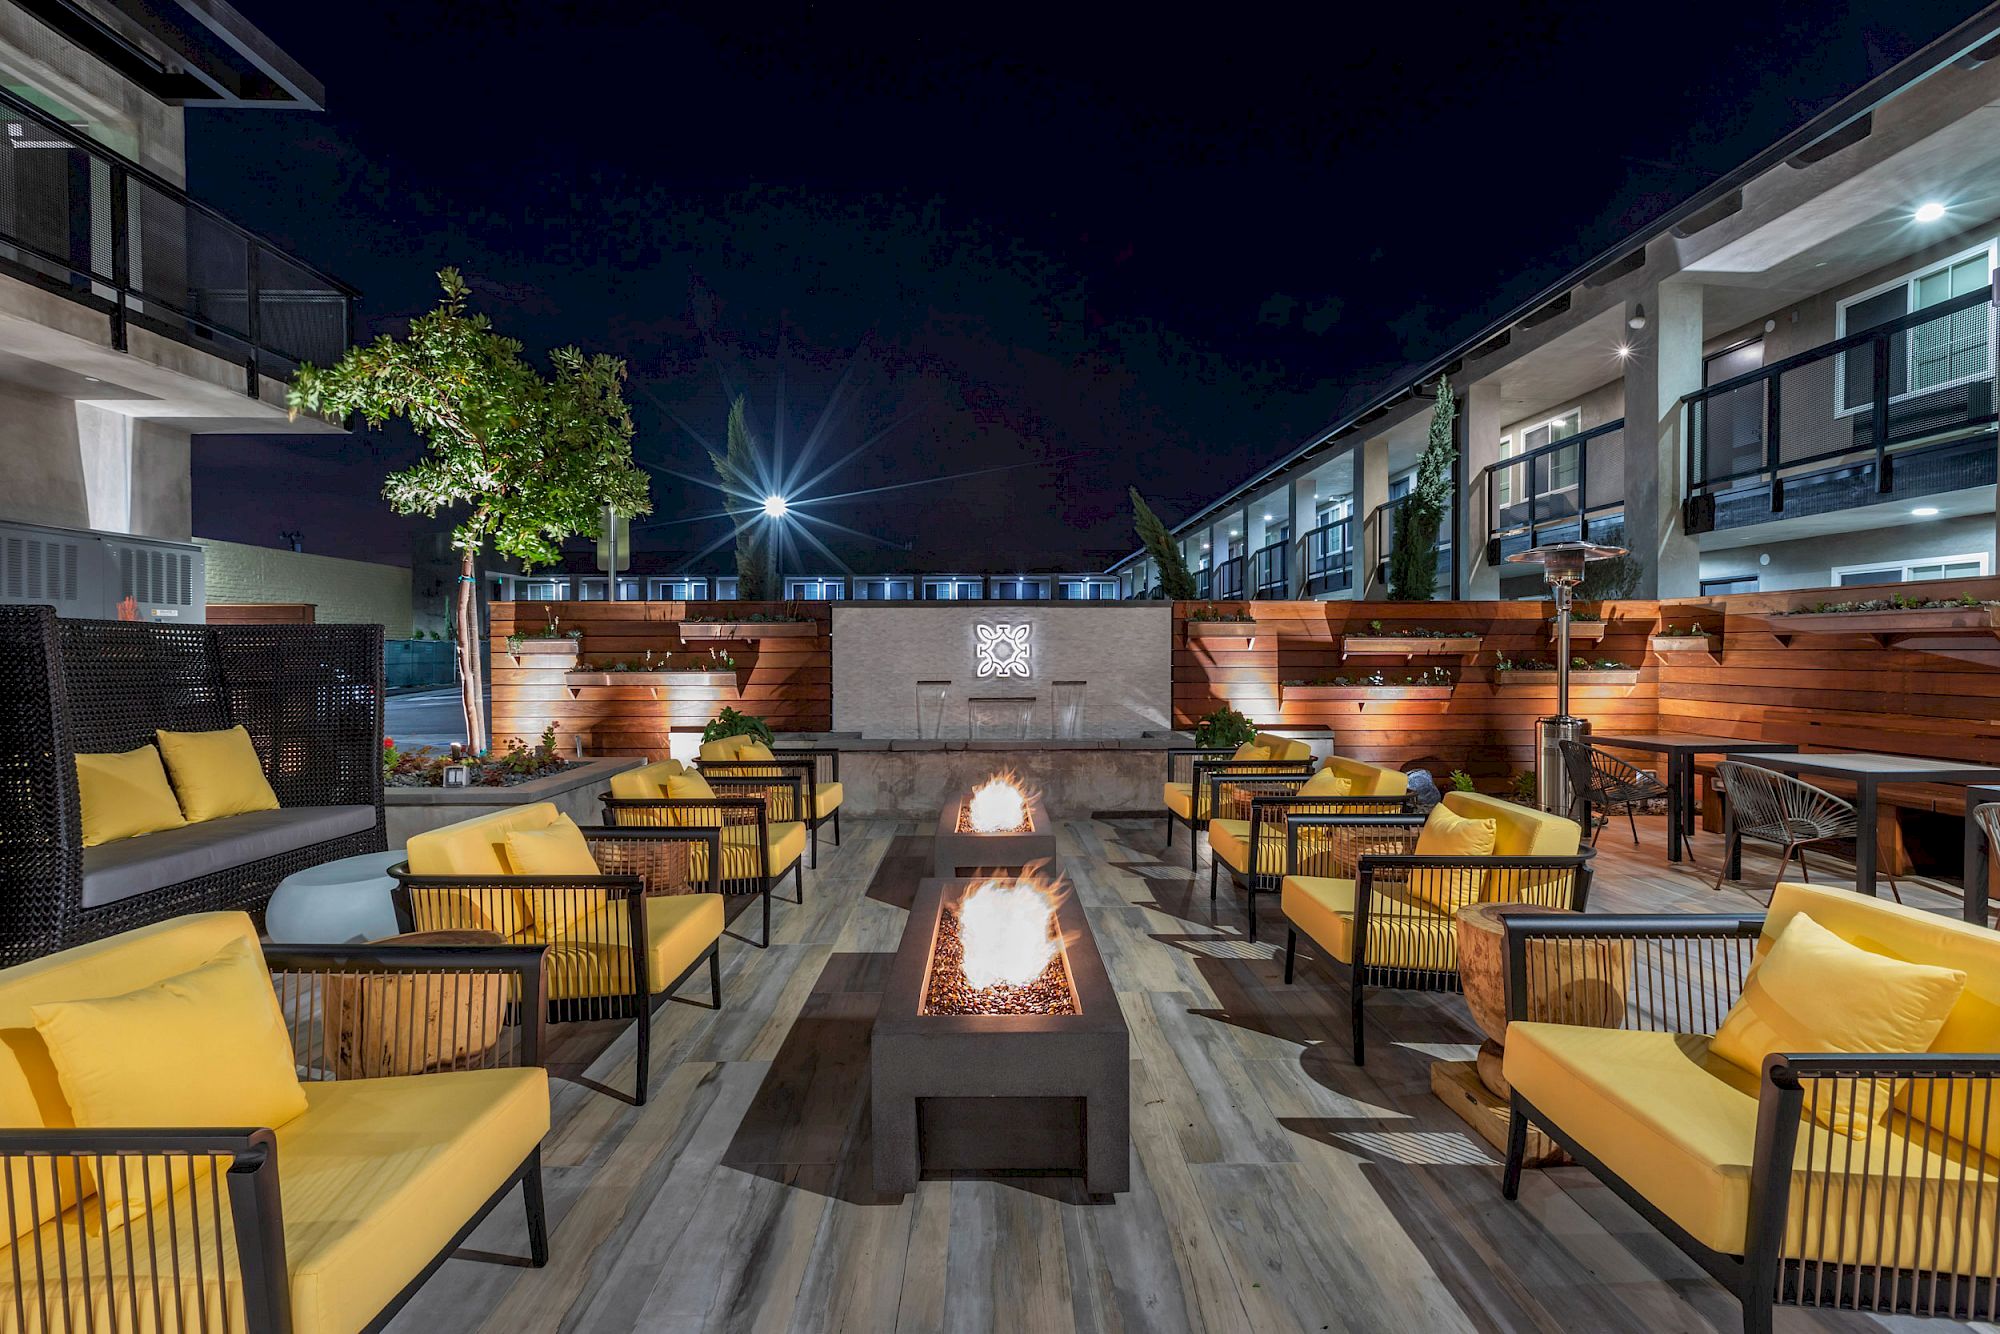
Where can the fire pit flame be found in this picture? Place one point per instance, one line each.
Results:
(998, 806)
(1006, 929)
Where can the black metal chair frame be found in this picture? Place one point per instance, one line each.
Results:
(1779, 829)
(1274, 797)
(637, 1002)
(1399, 869)
(1195, 765)
(720, 805)
(803, 761)
(245, 1159)
(1762, 1277)
(310, 697)
(1597, 778)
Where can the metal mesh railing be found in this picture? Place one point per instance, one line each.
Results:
(1329, 557)
(1269, 571)
(1569, 490)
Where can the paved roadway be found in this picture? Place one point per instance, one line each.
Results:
(425, 718)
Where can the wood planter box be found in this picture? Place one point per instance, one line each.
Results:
(1905, 627)
(1706, 644)
(1244, 630)
(1305, 693)
(564, 647)
(1581, 632)
(706, 684)
(735, 630)
(1412, 646)
(1594, 676)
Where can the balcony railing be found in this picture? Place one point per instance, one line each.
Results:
(1885, 412)
(1269, 577)
(1225, 583)
(1329, 557)
(82, 221)
(1568, 490)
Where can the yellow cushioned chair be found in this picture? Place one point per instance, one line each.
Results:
(619, 940)
(1187, 791)
(810, 791)
(1901, 1215)
(1355, 887)
(334, 1219)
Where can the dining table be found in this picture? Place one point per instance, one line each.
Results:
(1679, 749)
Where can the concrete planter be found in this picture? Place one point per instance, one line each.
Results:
(415, 810)
(999, 1092)
(959, 854)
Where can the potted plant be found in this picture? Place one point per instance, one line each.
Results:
(1433, 683)
(1582, 672)
(1685, 639)
(1224, 729)
(730, 723)
(1212, 622)
(1901, 620)
(1414, 642)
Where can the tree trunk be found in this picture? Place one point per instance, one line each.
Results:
(471, 675)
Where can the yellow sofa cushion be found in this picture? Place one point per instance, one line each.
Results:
(1413, 936)
(1179, 798)
(827, 798)
(378, 1175)
(1229, 840)
(785, 842)
(1679, 1123)
(592, 955)
(476, 847)
(754, 750)
(124, 795)
(726, 748)
(1519, 831)
(1327, 783)
(1289, 750)
(691, 786)
(646, 783)
(1368, 780)
(1446, 833)
(216, 773)
(1250, 751)
(558, 850)
(1811, 991)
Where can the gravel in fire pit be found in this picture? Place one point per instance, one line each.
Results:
(947, 992)
(1027, 825)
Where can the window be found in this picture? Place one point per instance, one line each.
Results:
(542, 590)
(1025, 590)
(1504, 482)
(882, 590)
(953, 590)
(1090, 590)
(1902, 572)
(815, 590)
(1735, 583)
(680, 590)
(1332, 511)
(1937, 354)
(1400, 486)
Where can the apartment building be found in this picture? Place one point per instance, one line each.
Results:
(133, 317)
(1786, 382)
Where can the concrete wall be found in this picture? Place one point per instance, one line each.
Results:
(75, 85)
(349, 591)
(1809, 562)
(75, 465)
(1123, 653)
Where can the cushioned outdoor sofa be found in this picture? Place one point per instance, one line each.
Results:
(333, 1168)
(310, 697)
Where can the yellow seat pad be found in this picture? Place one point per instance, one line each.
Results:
(785, 839)
(1230, 840)
(592, 955)
(1414, 937)
(826, 799)
(376, 1177)
(1680, 1125)
(1179, 798)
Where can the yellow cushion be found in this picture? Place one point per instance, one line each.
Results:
(124, 795)
(785, 842)
(646, 783)
(1369, 780)
(1449, 834)
(754, 750)
(1811, 991)
(477, 846)
(1411, 936)
(1179, 798)
(1250, 750)
(1679, 1123)
(1230, 841)
(725, 748)
(558, 850)
(378, 1176)
(691, 786)
(826, 799)
(1519, 831)
(593, 956)
(1328, 783)
(216, 773)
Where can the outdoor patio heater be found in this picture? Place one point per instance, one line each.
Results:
(1562, 565)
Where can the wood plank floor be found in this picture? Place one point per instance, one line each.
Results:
(1274, 1186)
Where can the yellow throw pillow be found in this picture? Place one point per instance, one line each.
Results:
(205, 1048)
(1250, 750)
(1327, 783)
(754, 750)
(692, 786)
(124, 795)
(216, 773)
(1814, 992)
(1446, 833)
(559, 850)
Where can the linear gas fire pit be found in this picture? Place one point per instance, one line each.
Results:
(1026, 1076)
(999, 826)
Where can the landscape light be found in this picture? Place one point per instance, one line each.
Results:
(776, 507)
(1929, 211)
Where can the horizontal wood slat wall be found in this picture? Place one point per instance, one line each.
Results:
(788, 682)
(1485, 727)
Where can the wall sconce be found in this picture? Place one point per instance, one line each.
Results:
(1638, 320)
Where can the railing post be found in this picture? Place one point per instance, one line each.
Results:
(1883, 482)
(1773, 414)
(1582, 492)
(1534, 528)
(121, 255)
(252, 313)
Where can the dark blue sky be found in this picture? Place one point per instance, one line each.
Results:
(1116, 250)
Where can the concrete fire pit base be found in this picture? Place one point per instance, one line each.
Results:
(1000, 1092)
(959, 854)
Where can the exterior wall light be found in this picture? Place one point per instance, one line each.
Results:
(1929, 211)
(1925, 511)
(1638, 320)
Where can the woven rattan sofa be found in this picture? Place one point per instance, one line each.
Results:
(310, 697)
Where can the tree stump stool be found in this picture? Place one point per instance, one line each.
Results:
(384, 1024)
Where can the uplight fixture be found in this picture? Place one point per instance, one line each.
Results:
(1929, 211)
(1925, 511)
(776, 507)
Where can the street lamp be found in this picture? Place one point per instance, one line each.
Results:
(1562, 565)
(776, 507)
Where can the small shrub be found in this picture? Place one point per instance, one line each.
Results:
(731, 723)
(1224, 728)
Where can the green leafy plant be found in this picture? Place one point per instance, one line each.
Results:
(1677, 632)
(1609, 579)
(736, 467)
(1375, 631)
(517, 762)
(1895, 602)
(1175, 580)
(1522, 786)
(533, 458)
(1461, 781)
(1208, 614)
(731, 723)
(1413, 549)
(1225, 727)
(1429, 676)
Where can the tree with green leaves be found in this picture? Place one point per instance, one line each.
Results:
(756, 552)
(1175, 581)
(533, 459)
(1413, 549)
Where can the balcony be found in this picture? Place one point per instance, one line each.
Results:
(99, 230)
(1329, 556)
(1800, 437)
(1225, 581)
(1269, 568)
(1568, 490)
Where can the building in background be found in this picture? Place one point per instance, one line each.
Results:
(132, 317)
(1786, 382)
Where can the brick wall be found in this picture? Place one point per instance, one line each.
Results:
(345, 591)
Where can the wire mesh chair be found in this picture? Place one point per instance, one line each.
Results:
(1771, 807)
(1598, 779)
(1988, 818)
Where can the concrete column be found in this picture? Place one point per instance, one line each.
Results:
(1371, 488)
(1304, 496)
(1479, 404)
(1666, 363)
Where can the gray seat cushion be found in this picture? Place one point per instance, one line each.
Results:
(113, 872)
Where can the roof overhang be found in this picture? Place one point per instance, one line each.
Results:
(194, 53)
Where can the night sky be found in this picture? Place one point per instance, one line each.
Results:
(1115, 250)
